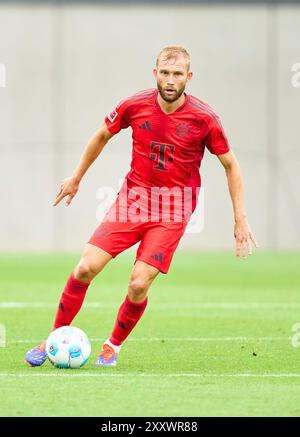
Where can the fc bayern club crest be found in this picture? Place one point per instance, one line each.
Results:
(182, 129)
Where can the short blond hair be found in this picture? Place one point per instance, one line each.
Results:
(171, 52)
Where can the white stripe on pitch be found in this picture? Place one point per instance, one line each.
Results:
(163, 306)
(175, 339)
(69, 374)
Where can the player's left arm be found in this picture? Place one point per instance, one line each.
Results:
(243, 235)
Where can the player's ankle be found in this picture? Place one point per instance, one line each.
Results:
(115, 347)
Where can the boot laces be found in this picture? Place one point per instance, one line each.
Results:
(41, 347)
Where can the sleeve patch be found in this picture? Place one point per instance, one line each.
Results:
(112, 116)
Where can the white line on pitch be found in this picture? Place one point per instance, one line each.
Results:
(163, 306)
(150, 375)
(163, 339)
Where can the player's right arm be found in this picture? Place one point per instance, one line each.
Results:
(69, 186)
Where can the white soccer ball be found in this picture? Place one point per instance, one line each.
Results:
(68, 347)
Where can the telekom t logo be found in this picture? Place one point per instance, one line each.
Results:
(162, 155)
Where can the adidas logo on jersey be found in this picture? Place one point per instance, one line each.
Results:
(145, 125)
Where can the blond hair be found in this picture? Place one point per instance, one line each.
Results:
(171, 52)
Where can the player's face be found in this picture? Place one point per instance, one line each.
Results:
(172, 76)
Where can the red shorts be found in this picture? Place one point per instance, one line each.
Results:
(158, 240)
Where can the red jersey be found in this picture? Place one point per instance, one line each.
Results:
(167, 148)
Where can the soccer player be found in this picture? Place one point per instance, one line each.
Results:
(170, 131)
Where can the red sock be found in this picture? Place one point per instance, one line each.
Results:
(70, 302)
(128, 316)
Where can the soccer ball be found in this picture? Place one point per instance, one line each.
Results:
(68, 347)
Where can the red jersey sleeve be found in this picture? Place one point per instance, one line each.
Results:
(119, 118)
(216, 140)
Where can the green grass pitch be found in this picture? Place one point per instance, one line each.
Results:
(215, 340)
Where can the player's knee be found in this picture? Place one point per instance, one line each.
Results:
(138, 287)
(85, 271)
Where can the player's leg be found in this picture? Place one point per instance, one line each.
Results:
(93, 260)
(130, 311)
(154, 254)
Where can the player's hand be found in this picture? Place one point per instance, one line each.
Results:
(69, 187)
(244, 238)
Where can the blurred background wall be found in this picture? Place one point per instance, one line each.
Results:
(66, 67)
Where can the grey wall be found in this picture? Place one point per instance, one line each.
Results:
(67, 66)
